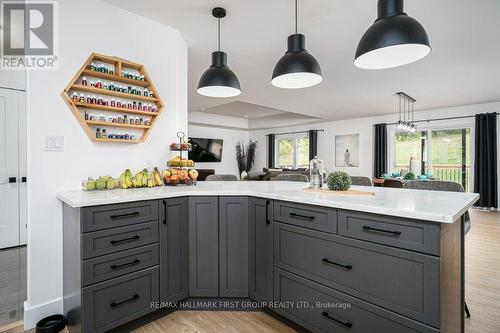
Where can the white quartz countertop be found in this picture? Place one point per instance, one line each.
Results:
(436, 206)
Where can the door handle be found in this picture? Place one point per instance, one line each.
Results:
(12, 180)
(24, 179)
(164, 212)
(268, 221)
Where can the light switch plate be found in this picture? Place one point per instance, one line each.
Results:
(54, 143)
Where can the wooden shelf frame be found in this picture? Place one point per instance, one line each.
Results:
(118, 64)
(116, 78)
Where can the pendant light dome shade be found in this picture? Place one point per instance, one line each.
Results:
(395, 39)
(218, 80)
(297, 68)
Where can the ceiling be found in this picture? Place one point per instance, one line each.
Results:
(463, 68)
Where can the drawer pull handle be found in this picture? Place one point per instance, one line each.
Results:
(125, 301)
(164, 212)
(128, 264)
(125, 240)
(328, 261)
(268, 221)
(302, 216)
(346, 324)
(368, 228)
(124, 216)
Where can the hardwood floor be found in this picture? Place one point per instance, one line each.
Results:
(215, 321)
(482, 293)
(482, 273)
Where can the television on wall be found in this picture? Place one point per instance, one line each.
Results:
(205, 150)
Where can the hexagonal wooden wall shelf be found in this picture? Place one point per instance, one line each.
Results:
(115, 96)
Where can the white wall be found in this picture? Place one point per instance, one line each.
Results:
(364, 126)
(231, 137)
(85, 27)
(13, 79)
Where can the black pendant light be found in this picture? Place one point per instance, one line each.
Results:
(218, 80)
(395, 39)
(297, 68)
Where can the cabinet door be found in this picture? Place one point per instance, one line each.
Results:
(203, 246)
(174, 249)
(233, 246)
(261, 250)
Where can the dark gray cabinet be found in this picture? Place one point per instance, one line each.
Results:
(204, 246)
(233, 246)
(174, 269)
(260, 249)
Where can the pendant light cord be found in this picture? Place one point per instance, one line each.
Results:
(218, 34)
(296, 15)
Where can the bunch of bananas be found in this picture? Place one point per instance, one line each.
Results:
(143, 178)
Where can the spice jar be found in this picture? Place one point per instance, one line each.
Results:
(131, 120)
(82, 98)
(94, 99)
(86, 115)
(129, 105)
(120, 120)
(151, 93)
(155, 109)
(111, 86)
(144, 107)
(89, 99)
(125, 120)
(150, 107)
(137, 121)
(98, 133)
(92, 83)
(92, 66)
(104, 135)
(146, 93)
(98, 84)
(91, 117)
(135, 105)
(74, 97)
(105, 86)
(106, 102)
(113, 102)
(99, 101)
(84, 81)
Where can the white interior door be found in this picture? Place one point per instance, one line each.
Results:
(9, 168)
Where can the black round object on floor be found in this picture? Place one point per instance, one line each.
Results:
(51, 324)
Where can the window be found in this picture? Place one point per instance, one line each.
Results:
(443, 153)
(292, 151)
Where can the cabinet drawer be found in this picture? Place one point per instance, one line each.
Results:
(109, 241)
(110, 216)
(117, 264)
(393, 231)
(313, 217)
(112, 303)
(402, 281)
(328, 310)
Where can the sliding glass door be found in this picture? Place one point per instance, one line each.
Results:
(450, 155)
(445, 153)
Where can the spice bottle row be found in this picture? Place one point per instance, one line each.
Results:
(101, 68)
(102, 134)
(117, 87)
(116, 103)
(121, 119)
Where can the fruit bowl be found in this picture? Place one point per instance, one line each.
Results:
(174, 176)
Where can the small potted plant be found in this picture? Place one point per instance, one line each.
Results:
(409, 176)
(338, 181)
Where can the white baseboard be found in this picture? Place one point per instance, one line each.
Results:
(34, 313)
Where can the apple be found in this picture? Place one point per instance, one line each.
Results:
(183, 174)
(166, 174)
(193, 174)
(174, 171)
(174, 180)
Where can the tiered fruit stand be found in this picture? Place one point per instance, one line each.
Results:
(181, 164)
(114, 72)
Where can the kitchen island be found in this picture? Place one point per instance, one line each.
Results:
(388, 262)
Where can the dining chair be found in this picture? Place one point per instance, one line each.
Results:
(292, 177)
(221, 177)
(441, 185)
(361, 181)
